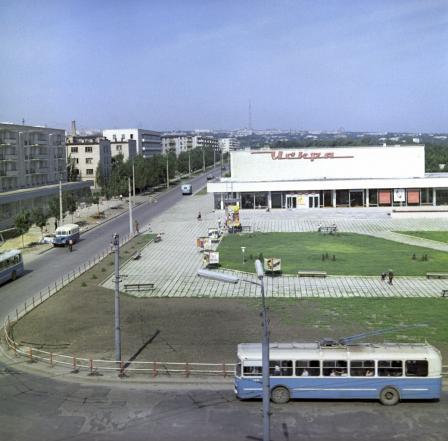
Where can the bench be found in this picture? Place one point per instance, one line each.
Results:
(139, 287)
(311, 273)
(328, 230)
(444, 292)
(437, 275)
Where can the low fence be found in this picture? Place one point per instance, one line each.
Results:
(95, 367)
(90, 365)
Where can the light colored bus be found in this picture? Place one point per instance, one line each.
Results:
(11, 265)
(65, 233)
(186, 189)
(388, 372)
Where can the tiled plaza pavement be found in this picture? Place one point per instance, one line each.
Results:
(172, 263)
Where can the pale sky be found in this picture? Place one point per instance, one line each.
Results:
(318, 64)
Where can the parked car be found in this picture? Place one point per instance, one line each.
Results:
(48, 238)
(210, 177)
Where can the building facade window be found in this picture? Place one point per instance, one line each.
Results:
(89, 160)
(74, 149)
(88, 149)
(89, 171)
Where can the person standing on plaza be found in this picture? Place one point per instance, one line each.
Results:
(391, 277)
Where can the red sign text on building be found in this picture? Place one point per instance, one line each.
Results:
(280, 154)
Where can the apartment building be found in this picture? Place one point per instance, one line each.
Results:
(32, 162)
(126, 148)
(201, 141)
(177, 143)
(183, 142)
(87, 153)
(31, 156)
(149, 142)
(228, 144)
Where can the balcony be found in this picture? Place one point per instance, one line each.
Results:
(11, 173)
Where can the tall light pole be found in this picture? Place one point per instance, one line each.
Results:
(167, 171)
(223, 277)
(116, 244)
(131, 227)
(203, 158)
(60, 202)
(133, 182)
(189, 162)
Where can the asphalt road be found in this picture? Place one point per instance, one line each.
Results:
(36, 407)
(50, 266)
(39, 408)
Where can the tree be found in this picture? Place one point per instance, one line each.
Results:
(53, 208)
(96, 201)
(23, 222)
(39, 219)
(72, 171)
(69, 203)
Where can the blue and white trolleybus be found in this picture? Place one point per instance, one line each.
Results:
(11, 265)
(388, 372)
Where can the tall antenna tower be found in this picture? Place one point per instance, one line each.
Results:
(250, 116)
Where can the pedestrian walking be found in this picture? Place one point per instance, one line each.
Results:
(383, 276)
(70, 245)
(391, 277)
(199, 216)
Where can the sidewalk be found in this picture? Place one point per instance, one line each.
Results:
(85, 217)
(171, 265)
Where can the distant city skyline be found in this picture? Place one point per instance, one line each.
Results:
(178, 65)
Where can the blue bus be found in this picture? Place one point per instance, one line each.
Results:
(11, 265)
(65, 233)
(388, 372)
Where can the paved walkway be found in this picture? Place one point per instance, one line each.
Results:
(172, 263)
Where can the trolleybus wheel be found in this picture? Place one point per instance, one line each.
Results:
(389, 396)
(13, 276)
(280, 395)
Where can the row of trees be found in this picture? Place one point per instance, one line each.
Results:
(39, 216)
(152, 172)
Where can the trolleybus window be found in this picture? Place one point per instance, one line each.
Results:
(390, 368)
(252, 369)
(362, 368)
(281, 367)
(305, 368)
(334, 368)
(417, 368)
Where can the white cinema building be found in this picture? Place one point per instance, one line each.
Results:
(318, 177)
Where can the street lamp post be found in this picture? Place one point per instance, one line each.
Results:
(203, 159)
(131, 226)
(189, 162)
(167, 171)
(228, 278)
(116, 244)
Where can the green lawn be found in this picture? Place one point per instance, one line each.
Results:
(337, 318)
(355, 254)
(439, 236)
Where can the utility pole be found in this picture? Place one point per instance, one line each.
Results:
(133, 182)
(189, 162)
(60, 202)
(116, 244)
(265, 360)
(167, 171)
(203, 159)
(131, 228)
